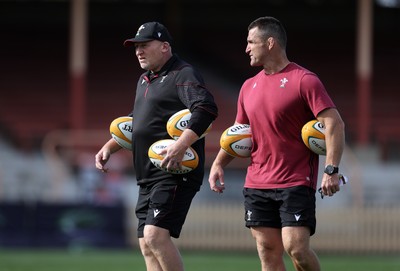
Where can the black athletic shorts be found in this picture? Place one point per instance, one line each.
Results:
(164, 206)
(277, 208)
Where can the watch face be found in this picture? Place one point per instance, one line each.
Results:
(329, 169)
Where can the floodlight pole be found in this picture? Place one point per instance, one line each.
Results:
(78, 60)
(364, 69)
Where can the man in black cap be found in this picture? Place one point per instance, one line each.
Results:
(168, 85)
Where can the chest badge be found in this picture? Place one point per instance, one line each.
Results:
(163, 78)
(283, 82)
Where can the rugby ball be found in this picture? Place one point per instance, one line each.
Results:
(190, 159)
(313, 135)
(236, 140)
(178, 122)
(121, 131)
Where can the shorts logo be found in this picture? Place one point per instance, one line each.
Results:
(297, 217)
(156, 212)
(248, 214)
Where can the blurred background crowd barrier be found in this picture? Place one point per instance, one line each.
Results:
(56, 107)
(58, 199)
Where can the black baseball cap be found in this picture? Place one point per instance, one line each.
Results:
(150, 31)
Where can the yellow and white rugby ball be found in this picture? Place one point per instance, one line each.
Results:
(313, 135)
(236, 140)
(178, 122)
(121, 131)
(190, 159)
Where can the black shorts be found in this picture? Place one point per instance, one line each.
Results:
(277, 208)
(164, 206)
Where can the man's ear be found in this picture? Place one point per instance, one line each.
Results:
(166, 46)
(271, 42)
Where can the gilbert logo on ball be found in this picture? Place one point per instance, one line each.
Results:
(121, 131)
(236, 140)
(190, 159)
(179, 121)
(313, 135)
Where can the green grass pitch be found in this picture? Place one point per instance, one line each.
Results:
(128, 260)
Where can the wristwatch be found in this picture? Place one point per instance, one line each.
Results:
(331, 169)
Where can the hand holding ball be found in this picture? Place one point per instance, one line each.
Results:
(189, 162)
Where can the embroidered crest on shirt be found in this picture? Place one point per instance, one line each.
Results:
(163, 78)
(283, 82)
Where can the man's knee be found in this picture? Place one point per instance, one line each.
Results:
(155, 236)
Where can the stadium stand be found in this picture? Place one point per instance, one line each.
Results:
(35, 82)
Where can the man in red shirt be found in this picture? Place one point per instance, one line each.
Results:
(281, 179)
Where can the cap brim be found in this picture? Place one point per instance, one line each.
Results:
(131, 42)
